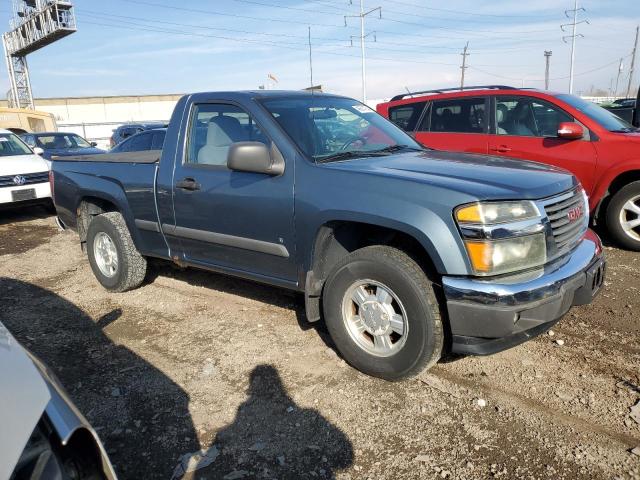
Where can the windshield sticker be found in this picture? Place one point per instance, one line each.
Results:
(362, 109)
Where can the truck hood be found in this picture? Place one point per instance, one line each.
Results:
(22, 164)
(482, 176)
(23, 398)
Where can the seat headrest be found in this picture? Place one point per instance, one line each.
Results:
(223, 131)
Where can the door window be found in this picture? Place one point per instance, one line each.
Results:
(214, 127)
(528, 117)
(406, 116)
(461, 115)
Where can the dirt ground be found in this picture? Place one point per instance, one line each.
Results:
(194, 360)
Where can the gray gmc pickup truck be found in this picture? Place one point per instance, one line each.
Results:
(405, 252)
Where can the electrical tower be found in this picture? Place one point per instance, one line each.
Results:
(464, 66)
(574, 34)
(35, 24)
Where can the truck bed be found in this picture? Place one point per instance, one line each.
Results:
(149, 156)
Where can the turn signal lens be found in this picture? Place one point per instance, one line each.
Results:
(504, 256)
(499, 212)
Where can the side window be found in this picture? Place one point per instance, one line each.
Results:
(158, 140)
(140, 142)
(30, 140)
(462, 115)
(214, 127)
(406, 116)
(528, 117)
(548, 117)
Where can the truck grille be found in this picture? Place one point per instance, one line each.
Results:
(569, 218)
(29, 179)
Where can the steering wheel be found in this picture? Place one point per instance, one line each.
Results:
(354, 139)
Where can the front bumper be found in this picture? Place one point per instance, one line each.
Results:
(41, 192)
(490, 315)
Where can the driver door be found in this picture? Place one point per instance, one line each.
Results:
(237, 221)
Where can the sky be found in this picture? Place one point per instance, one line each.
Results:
(136, 47)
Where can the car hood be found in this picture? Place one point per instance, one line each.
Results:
(66, 152)
(23, 398)
(482, 176)
(21, 164)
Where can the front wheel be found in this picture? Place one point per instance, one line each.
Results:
(382, 313)
(114, 259)
(623, 216)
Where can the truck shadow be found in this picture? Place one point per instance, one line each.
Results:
(271, 437)
(140, 414)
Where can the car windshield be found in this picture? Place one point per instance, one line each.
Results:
(11, 145)
(334, 128)
(604, 118)
(56, 141)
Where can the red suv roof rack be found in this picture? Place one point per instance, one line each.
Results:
(443, 90)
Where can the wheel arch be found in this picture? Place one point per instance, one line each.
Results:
(609, 189)
(337, 238)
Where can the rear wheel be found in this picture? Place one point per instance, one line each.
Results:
(382, 313)
(623, 216)
(114, 259)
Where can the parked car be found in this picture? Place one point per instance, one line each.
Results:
(600, 148)
(44, 436)
(24, 176)
(143, 141)
(129, 129)
(407, 252)
(625, 102)
(60, 144)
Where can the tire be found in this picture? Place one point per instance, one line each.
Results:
(130, 268)
(617, 214)
(418, 348)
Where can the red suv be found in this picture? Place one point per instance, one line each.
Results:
(601, 149)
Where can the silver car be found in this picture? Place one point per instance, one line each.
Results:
(42, 434)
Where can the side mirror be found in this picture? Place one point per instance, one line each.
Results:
(570, 131)
(255, 157)
(94, 144)
(38, 151)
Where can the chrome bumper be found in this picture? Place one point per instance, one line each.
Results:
(487, 316)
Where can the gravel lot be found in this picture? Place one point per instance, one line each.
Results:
(194, 360)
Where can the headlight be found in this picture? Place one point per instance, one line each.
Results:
(502, 237)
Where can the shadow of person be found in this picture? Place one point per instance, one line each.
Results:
(271, 437)
(140, 414)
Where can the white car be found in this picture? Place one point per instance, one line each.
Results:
(24, 176)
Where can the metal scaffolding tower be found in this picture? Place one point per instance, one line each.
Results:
(35, 24)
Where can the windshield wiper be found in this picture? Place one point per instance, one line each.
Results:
(350, 154)
(625, 130)
(397, 148)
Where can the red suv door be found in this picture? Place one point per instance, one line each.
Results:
(526, 127)
(457, 124)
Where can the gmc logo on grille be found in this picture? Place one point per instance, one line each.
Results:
(575, 213)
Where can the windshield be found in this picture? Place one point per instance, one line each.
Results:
(605, 118)
(11, 145)
(61, 141)
(332, 128)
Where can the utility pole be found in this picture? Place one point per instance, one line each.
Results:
(547, 58)
(620, 68)
(633, 61)
(574, 34)
(362, 37)
(464, 67)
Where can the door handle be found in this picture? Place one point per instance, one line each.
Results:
(188, 184)
(500, 149)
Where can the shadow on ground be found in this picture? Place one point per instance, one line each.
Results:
(272, 437)
(141, 415)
